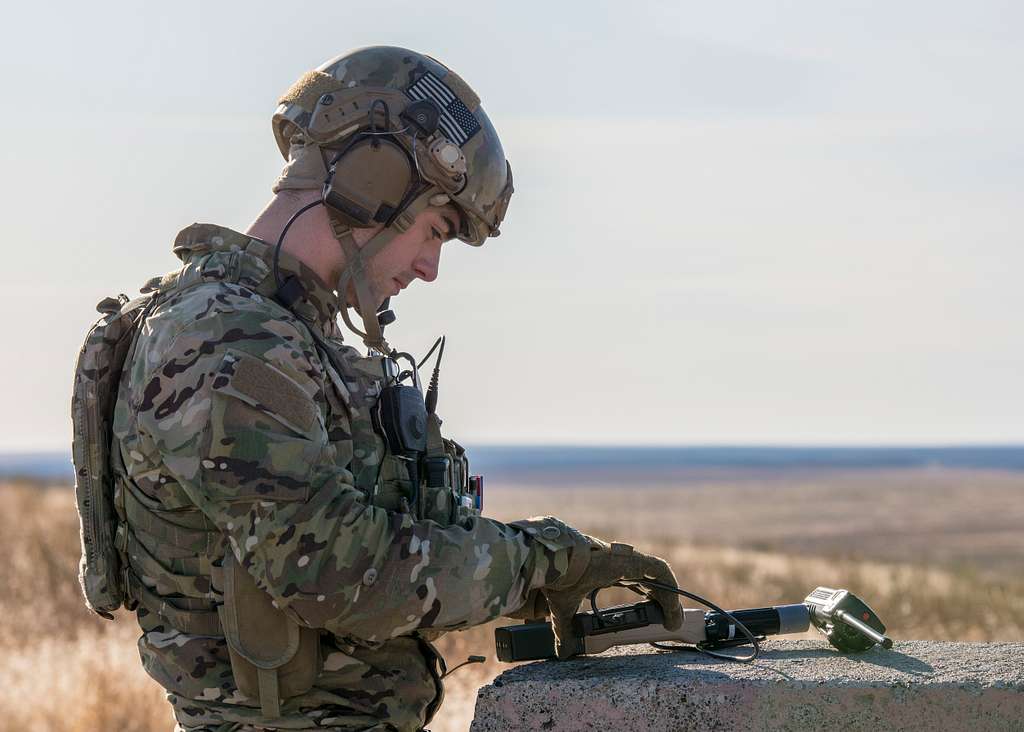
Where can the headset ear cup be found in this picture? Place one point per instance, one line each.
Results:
(368, 182)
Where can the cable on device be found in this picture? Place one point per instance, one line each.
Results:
(636, 584)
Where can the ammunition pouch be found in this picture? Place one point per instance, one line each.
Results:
(394, 490)
(448, 497)
(273, 658)
(443, 493)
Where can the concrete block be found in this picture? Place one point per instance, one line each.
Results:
(794, 685)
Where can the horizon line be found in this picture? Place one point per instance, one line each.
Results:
(795, 445)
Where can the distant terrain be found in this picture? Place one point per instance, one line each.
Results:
(937, 551)
(533, 463)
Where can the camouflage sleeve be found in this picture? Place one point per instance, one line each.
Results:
(246, 439)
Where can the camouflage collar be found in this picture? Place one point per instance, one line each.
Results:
(318, 304)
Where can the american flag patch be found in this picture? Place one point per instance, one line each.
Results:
(456, 122)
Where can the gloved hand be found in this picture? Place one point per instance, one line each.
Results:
(593, 564)
(534, 609)
(608, 564)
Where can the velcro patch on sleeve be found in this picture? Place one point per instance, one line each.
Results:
(263, 386)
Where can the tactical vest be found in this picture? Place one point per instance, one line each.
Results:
(171, 560)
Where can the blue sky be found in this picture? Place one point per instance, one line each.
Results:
(773, 223)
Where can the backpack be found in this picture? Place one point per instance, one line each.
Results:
(107, 347)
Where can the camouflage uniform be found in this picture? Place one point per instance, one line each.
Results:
(243, 438)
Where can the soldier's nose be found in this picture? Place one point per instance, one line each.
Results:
(426, 267)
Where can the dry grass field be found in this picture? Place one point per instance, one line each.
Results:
(937, 553)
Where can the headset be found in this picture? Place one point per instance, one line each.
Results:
(373, 178)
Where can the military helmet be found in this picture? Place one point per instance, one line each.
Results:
(434, 114)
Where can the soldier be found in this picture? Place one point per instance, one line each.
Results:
(295, 526)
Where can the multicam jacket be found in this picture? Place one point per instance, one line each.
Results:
(242, 440)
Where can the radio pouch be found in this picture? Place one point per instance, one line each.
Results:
(273, 658)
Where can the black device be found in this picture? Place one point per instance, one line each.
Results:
(403, 419)
(423, 116)
(401, 415)
(848, 623)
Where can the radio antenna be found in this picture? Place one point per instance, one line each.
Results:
(432, 389)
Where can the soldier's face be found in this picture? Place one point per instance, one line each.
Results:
(414, 254)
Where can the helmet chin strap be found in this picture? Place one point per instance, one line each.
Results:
(357, 260)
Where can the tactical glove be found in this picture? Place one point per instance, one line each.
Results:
(608, 564)
(594, 564)
(534, 609)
